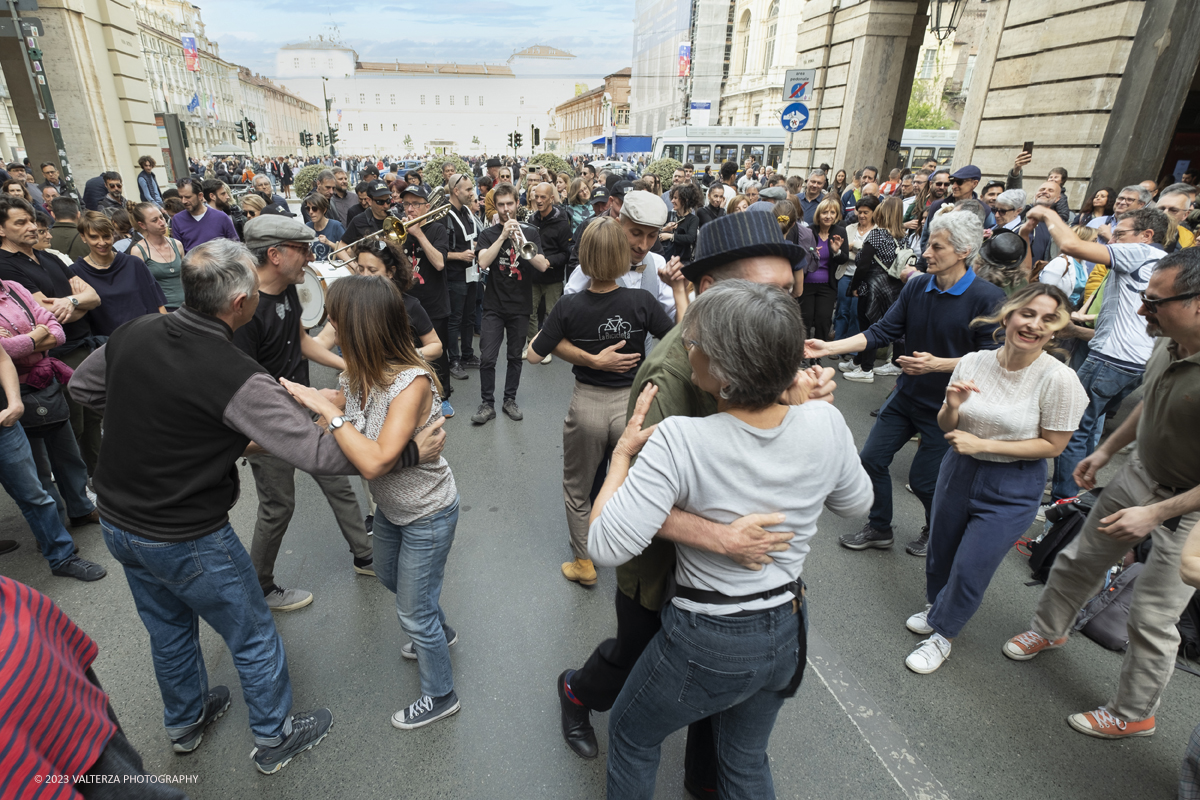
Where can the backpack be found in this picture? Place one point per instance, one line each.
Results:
(1064, 521)
(905, 258)
(1104, 619)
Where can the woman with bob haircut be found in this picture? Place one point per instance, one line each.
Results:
(733, 640)
(127, 289)
(387, 394)
(1006, 411)
(603, 318)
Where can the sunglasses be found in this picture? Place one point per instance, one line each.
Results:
(1153, 304)
(958, 181)
(381, 201)
(941, 183)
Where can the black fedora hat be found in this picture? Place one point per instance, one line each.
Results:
(743, 235)
(1005, 249)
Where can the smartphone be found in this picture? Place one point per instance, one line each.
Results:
(1028, 148)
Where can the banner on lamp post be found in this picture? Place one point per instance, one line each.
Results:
(191, 58)
(685, 59)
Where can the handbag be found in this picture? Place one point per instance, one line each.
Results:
(45, 408)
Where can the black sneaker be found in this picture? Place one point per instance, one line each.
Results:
(457, 372)
(365, 566)
(215, 706)
(80, 569)
(867, 537)
(484, 414)
(410, 652)
(920, 545)
(7, 546)
(512, 410)
(470, 362)
(308, 729)
(425, 711)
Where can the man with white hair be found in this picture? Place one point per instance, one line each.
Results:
(933, 316)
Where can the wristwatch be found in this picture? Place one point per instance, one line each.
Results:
(74, 300)
(336, 423)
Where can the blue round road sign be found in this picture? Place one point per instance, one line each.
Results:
(794, 117)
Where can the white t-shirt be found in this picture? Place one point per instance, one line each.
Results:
(1059, 272)
(1015, 406)
(631, 280)
(1120, 332)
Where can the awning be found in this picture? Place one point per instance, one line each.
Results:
(601, 140)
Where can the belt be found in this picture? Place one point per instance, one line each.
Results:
(719, 599)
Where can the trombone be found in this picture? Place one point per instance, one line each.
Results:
(395, 230)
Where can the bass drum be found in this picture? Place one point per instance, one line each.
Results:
(318, 277)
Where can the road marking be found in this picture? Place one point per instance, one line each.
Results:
(877, 729)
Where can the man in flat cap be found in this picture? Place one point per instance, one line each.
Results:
(276, 339)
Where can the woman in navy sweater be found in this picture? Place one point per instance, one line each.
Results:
(127, 289)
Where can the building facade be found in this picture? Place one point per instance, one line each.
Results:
(594, 114)
(279, 114)
(764, 46)
(395, 108)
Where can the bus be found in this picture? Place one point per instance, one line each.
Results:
(712, 145)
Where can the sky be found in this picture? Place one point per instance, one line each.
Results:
(598, 32)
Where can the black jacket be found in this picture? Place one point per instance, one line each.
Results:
(555, 229)
(684, 243)
(707, 214)
(839, 256)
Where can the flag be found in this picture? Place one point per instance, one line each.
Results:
(212, 104)
(194, 105)
(191, 57)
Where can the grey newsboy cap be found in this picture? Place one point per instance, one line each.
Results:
(645, 209)
(270, 229)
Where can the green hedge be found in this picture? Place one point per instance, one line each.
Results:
(552, 162)
(664, 168)
(433, 169)
(304, 180)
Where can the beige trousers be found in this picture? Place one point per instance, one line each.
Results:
(594, 424)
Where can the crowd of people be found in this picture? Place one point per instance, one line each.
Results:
(704, 324)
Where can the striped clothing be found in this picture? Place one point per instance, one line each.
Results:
(53, 720)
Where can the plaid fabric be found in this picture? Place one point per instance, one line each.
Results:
(1189, 773)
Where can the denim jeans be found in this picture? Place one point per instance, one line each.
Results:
(174, 586)
(57, 451)
(1107, 385)
(410, 560)
(845, 321)
(733, 669)
(980, 510)
(18, 476)
(898, 420)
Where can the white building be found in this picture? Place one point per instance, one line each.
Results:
(763, 49)
(393, 108)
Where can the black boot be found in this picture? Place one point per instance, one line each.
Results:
(576, 727)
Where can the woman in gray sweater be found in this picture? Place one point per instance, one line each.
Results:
(732, 642)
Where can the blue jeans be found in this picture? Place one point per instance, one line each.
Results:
(19, 477)
(1107, 385)
(410, 560)
(898, 420)
(845, 321)
(57, 451)
(980, 510)
(174, 586)
(732, 669)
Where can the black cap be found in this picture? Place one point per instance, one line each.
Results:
(620, 189)
(378, 189)
(599, 195)
(419, 189)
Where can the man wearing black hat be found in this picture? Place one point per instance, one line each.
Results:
(276, 339)
(426, 247)
(371, 221)
(507, 303)
(747, 246)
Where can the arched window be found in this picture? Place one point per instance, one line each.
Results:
(772, 27)
(744, 35)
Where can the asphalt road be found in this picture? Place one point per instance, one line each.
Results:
(861, 726)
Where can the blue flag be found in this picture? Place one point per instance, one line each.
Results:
(194, 105)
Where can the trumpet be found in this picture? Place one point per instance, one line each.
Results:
(395, 230)
(526, 248)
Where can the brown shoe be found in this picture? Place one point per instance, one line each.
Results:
(91, 519)
(580, 570)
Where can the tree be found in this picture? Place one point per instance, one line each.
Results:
(407, 142)
(926, 108)
(552, 163)
(433, 168)
(664, 168)
(306, 179)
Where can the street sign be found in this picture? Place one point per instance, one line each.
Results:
(30, 26)
(794, 117)
(798, 85)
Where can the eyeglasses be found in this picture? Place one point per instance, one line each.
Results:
(957, 181)
(381, 201)
(1121, 232)
(408, 206)
(251, 214)
(1153, 304)
(300, 248)
(690, 344)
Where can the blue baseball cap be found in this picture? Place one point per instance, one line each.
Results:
(968, 173)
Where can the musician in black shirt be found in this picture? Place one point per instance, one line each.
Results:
(507, 303)
(462, 275)
(425, 248)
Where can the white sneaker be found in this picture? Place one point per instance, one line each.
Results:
(917, 623)
(547, 359)
(889, 369)
(847, 366)
(929, 655)
(858, 376)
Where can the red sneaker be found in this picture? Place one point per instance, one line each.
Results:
(1103, 725)
(1025, 646)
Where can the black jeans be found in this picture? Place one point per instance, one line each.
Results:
(602, 677)
(816, 307)
(462, 321)
(441, 365)
(496, 327)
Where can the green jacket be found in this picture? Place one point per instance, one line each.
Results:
(645, 577)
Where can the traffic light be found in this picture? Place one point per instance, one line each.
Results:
(303, 138)
(537, 136)
(517, 140)
(510, 140)
(240, 127)
(320, 140)
(309, 143)
(183, 133)
(251, 131)
(333, 135)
